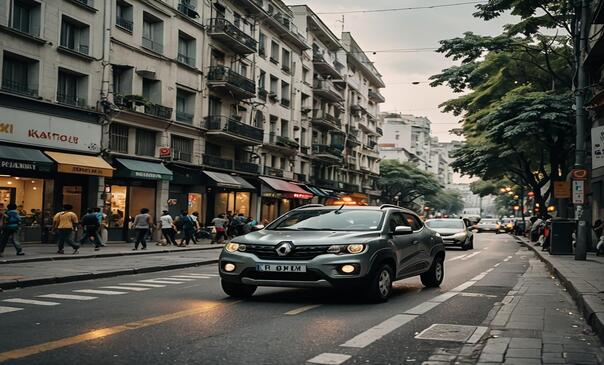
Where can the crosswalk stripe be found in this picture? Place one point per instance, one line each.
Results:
(103, 292)
(9, 309)
(29, 301)
(153, 281)
(67, 296)
(124, 288)
(457, 257)
(471, 255)
(191, 277)
(376, 332)
(145, 285)
(177, 279)
(202, 274)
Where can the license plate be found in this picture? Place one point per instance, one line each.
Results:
(281, 267)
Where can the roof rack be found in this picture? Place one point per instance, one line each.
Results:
(389, 206)
(310, 206)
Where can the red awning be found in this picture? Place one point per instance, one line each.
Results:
(290, 190)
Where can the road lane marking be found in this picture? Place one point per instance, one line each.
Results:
(422, 308)
(177, 279)
(201, 274)
(145, 285)
(457, 257)
(293, 312)
(376, 332)
(444, 296)
(191, 276)
(9, 309)
(476, 295)
(109, 331)
(486, 248)
(29, 301)
(497, 264)
(132, 288)
(102, 292)
(471, 255)
(489, 270)
(329, 359)
(479, 277)
(157, 281)
(67, 296)
(464, 286)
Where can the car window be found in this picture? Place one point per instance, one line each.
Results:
(396, 219)
(413, 221)
(329, 220)
(445, 223)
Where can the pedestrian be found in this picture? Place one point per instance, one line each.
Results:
(195, 217)
(102, 218)
(167, 228)
(219, 224)
(90, 225)
(188, 228)
(65, 224)
(11, 224)
(142, 224)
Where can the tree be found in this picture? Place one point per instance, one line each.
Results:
(446, 201)
(484, 188)
(404, 183)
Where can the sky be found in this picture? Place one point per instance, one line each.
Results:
(407, 29)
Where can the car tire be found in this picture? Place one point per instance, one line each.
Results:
(380, 287)
(465, 246)
(434, 277)
(238, 290)
(472, 244)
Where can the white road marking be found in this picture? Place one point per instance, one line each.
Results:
(444, 296)
(471, 255)
(177, 279)
(132, 288)
(29, 301)
(293, 312)
(103, 292)
(457, 257)
(422, 308)
(202, 274)
(9, 309)
(376, 332)
(157, 281)
(329, 359)
(507, 258)
(464, 286)
(478, 277)
(191, 276)
(497, 264)
(489, 270)
(486, 248)
(145, 285)
(67, 296)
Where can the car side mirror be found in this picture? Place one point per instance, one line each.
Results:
(402, 230)
(259, 226)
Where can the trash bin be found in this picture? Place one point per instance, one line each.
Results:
(561, 237)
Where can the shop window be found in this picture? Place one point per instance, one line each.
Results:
(236, 202)
(270, 210)
(117, 206)
(27, 194)
(141, 197)
(145, 142)
(195, 205)
(73, 195)
(118, 138)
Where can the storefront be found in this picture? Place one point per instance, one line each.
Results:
(279, 197)
(349, 199)
(187, 191)
(134, 187)
(322, 195)
(227, 193)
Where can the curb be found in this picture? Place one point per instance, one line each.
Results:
(102, 255)
(100, 275)
(585, 302)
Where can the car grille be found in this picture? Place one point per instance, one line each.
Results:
(266, 252)
(302, 276)
(446, 234)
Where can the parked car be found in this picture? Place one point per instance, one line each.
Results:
(454, 232)
(486, 225)
(505, 225)
(366, 248)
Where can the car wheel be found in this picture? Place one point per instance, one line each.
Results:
(472, 244)
(433, 277)
(380, 287)
(238, 290)
(465, 246)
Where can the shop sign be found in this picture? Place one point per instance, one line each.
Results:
(561, 190)
(597, 147)
(273, 195)
(84, 170)
(578, 192)
(165, 152)
(147, 175)
(23, 127)
(10, 164)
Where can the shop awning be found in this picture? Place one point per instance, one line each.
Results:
(24, 159)
(81, 164)
(143, 169)
(230, 182)
(286, 189)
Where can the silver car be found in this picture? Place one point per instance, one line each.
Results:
(334, 247)
(453, 231)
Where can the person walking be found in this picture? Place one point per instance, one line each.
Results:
(167, 228)
(9, 232)
(142, 224)
(101, 217)
(65, 223)
(188, 228)
(195, 217)
(219, 224)
(90, 224)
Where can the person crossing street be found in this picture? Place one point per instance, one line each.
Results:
(90, 224)
(65, 224)
(11, 224)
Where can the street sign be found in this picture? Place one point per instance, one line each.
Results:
(561, 189)
(165, 152)
(578, 192)
(579, 174)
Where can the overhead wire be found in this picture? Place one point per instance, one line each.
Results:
(401, 9)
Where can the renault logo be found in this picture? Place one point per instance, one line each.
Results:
(284, 249)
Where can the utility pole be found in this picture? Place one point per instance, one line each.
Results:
(580, 209)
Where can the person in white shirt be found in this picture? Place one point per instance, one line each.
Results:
(167, 228)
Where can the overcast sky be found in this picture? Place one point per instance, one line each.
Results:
(407, 29)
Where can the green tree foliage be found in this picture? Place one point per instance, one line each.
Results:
(446, 201)
(404, 183)
(485, 188)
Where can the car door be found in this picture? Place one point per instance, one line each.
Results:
(421, 239)
(405, 251)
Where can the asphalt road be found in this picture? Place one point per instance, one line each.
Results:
(183, 317)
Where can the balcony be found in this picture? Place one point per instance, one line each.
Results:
(229, 81)
(218, 162)
(187, 60)
(376, 97)
(351, 160)
(248, 167)
(81, 50)
(188, 9)
(324, 67)
(152, 45)
(300, 177)
(226, 33)
(71, 100)
(184, 117)
(281, 144)
(304, 150)
(269, 171)
(18, 88)
(158, 111)
(124, 23)
(326, 89)
(229, 129)
(379, 131)
(327, 152)
(325, 120)
(351, 188)
(326, 183)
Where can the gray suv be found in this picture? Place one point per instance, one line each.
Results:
(365, 248)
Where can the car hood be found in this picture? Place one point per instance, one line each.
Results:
(448, 231)
(270, 237)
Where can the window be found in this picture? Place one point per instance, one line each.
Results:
(285, 97)
(75, 35)
(243, 69)
(145, 142)
(237, 20)
(262, 44)
(123, 16)
(185, 104)
(20, 74)
(284, 128)
(122, 80)
(188, 8)
(274, 85)
(285, 61)
(274, 52)
(213, 149)
(186, 49)
(152, 90)
(26, 17)
(413, 221)
(305, 73)
(303, 137)
(262, 80)
(182, 148)
(396, 219)
(153, 33)
(71, 88)
(118, 138)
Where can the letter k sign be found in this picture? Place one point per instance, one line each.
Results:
(6, 128)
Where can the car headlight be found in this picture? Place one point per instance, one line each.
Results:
(352, 248)
(231, 247)
(355, 248)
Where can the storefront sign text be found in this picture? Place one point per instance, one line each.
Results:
(18, 165)
(597, 147)
(579, 192)
(147, 175)
(84, 170)
(65, 138)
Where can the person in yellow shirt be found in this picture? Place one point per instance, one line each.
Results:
(64, 224)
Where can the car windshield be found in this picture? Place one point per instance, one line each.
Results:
(445, 224)
(329, 220)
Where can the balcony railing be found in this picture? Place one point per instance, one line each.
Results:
(228, 33)
(327, 90)
(25, 28)
(70, 99)
(282, 141)
(326, 118)
(218, 162)
(158, 111)
(300, 177)
(322, 149)
(349, 187)
(124, 23)
(188, 9)
(88, 3)
(273, 172)
(326, 183)
(375, 95)
(184, 117)
(250, 167)
(183, 58)
(285, 102)
(222, 74)
(234, 127)
(18, 87)
(379, 131)
(323, 66)
(78, 48)
(153, 45)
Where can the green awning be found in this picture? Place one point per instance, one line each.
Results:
(19, 158)
(143, 170)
